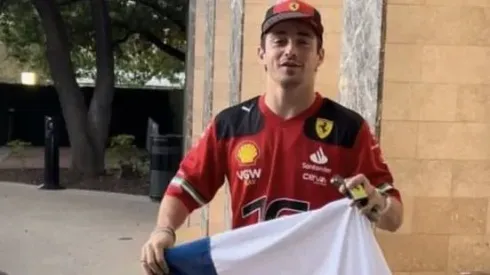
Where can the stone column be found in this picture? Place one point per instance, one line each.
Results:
(189, 75)
(361, 54)
(207, 110)
(236, 50)
(188, 102)
(235, 75)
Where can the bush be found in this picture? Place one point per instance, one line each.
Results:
(129, 160)
(17, 149)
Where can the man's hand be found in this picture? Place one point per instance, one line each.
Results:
(152, 258)
(376, 201)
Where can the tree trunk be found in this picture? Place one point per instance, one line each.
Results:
(99, 114)
(87, 129)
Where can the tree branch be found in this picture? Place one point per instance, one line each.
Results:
(67, 2)
(123, 39)
(3, 4)
(163, 13)
(155, 40)
(150, 37)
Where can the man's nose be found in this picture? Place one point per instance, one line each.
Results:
(291, 48)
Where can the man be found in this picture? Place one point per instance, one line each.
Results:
(280, 150)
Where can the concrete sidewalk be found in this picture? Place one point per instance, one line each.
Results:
(71, 232)
(4, 154)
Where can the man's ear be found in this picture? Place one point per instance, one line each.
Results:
(321, 57)
(260, 53)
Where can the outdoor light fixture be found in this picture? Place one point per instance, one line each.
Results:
(28, 78)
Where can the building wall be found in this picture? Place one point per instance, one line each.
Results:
(435, 129)
(436, 133)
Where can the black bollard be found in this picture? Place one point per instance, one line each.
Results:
(51, 155)
(166, 154)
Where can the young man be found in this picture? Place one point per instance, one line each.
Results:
(280, 150)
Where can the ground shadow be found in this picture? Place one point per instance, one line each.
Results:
(3, 273)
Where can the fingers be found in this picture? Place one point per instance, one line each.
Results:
(153, 261)
(357, 180)
(360, 188)
(153, 264)
(343, 189)
(147, 269)
(144, 261)
(370, 211)
(160, 259)
(372, 217)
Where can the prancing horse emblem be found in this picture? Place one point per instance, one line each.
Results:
(294, 6)
(323, 127)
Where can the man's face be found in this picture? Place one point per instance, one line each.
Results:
(290, 53)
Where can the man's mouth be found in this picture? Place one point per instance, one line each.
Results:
(290, 64)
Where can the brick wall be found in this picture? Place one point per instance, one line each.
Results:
(436, 134)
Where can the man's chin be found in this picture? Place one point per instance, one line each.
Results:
(290, 81)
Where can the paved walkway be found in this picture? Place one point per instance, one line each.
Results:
(71, 232)
(4, 154)
(81, 232)
(33, 158)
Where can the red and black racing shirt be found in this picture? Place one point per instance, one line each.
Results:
(277, 167)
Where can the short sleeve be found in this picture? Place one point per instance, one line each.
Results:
(201, 172)
(370, 162)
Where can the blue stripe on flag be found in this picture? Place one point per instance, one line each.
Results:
(193, 258)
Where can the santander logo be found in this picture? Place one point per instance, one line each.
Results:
(319, 157)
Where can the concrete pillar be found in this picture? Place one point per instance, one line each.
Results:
(361, 54)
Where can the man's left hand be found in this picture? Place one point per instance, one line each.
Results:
(376, 201)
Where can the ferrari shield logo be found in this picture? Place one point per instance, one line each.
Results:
(323, 127)
(294, 6)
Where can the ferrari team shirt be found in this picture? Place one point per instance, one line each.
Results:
(276, 166)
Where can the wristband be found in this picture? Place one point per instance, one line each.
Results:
(387, 203)
(167, 230)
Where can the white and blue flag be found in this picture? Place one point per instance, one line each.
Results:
(333, 240)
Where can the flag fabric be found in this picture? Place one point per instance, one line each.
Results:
(333, 240)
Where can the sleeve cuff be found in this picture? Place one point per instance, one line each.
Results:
(389, 190)
(179, 193)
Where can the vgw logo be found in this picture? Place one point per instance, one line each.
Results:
(249, 176)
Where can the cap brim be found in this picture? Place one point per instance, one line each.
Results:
(269, 23)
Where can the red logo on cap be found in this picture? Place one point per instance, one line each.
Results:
(296, 6)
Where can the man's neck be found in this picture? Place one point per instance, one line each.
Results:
(291, 102)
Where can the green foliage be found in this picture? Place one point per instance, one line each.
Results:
(129, 160)
(148, 37)
(22, 35)
(17, 149)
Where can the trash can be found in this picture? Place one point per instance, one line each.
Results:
(165, 157)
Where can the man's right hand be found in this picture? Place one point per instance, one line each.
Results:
(152, 258)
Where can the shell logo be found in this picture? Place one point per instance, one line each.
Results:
(247, 153)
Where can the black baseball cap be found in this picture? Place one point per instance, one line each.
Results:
(293, 9)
